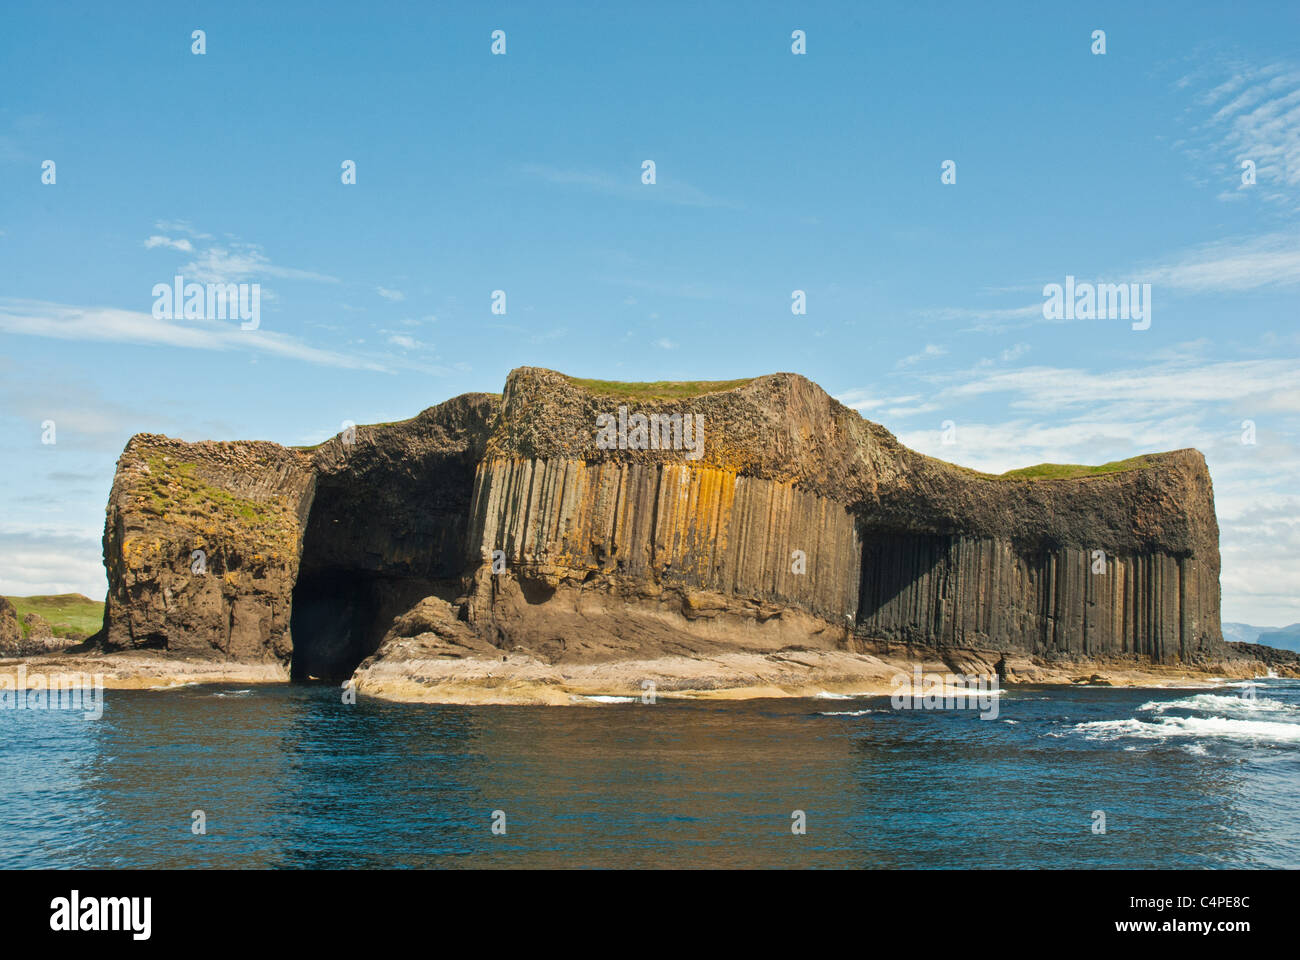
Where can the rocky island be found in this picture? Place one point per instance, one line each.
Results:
(571, 538)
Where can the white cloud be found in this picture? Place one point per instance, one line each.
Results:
(395, 295)
(181, 226)
(34, 562)
(159, 241)
(105, 324)
(1253, 115)
(242, 262)
(931, 350)
(1229, 266)
(1267, 262)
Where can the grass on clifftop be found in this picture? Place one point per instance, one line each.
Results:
(175, 492)
(1069, 471)
(658, 389)
(66, 612)
(1060, 471)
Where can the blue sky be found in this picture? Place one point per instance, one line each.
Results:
(775, 172)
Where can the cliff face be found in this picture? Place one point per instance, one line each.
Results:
(765, 516)
(201, 543)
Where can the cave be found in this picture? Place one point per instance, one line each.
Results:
(379, 536)
(333, 622)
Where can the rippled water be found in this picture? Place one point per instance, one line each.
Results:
(291, 777)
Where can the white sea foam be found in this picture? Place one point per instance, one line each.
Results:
(1219, 705)
(1219, 728)
(604, 698)
(827, 695)
(846, 713)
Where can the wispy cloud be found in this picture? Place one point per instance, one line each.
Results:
(241, 261)
(230, 262)
(1229, 266)
(181, 244)
(1246, 112)
(106, 324)
(395, 295)
(1236, 265)
(931, 350)
(181, 226)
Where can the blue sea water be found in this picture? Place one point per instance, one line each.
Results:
(290, 776)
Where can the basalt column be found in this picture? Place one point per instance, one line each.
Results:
(1062, 602)
(696, 526)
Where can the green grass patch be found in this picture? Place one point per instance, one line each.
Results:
(66, 612)
(197, 496)
(175, 491)
(658, 389)
(1058, 471)
(1069, 471)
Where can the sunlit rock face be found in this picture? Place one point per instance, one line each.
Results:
(579, 521)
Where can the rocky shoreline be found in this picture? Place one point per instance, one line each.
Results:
(419, 676)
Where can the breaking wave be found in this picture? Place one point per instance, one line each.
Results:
(1206, 718)
(1204, 727)
(1220, 705)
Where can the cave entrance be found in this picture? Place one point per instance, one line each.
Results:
(386, 528)
(333, 624)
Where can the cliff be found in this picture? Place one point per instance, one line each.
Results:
(573, 523)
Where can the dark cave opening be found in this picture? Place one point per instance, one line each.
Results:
(377, 540)
(333, 624)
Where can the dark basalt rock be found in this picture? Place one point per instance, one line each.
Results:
(11, 631)
(1274, 657)
(318, 555)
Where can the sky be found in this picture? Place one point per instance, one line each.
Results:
(774, 172)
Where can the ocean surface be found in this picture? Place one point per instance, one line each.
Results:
(292, 777)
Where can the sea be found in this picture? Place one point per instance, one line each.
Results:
(292, 777)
